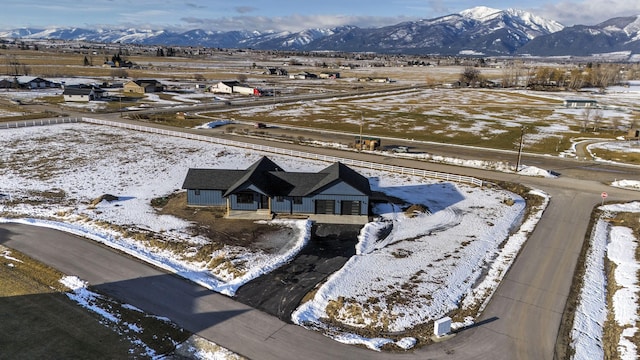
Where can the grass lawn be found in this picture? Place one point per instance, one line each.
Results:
(39, 321)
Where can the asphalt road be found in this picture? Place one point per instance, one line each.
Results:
(521, 321)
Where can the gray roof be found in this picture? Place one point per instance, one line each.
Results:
(211, 179)
(341, 172)
(77, 91)
(255, 175)
(270, 179)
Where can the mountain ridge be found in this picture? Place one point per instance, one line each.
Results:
(480, 31)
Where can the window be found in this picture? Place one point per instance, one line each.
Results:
(244, 198)
(197, 192)
(297, 200)
(279, 198)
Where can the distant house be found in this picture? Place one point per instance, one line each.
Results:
(143, 86)
(6, 83)
(266, 188)
(27, 82)
(82, 94)
(224, 87)
(276, 71)
(303, 76)
(329, 75)
(580, 103)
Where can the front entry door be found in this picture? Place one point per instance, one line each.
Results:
(264, 202)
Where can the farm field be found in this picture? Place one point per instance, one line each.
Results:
(428, 109)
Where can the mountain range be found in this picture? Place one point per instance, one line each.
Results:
(479, 31)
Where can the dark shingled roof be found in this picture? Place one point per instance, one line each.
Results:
(77, 91)
(255, 175)
(300, 184)
(211, 179)
(341, 172)
(272, 180)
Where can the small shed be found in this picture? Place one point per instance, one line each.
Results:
(81, 94)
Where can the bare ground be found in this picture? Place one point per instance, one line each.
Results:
(209, 223)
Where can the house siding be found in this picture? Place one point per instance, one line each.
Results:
(233, 199)
(206, 198)
(308, 205)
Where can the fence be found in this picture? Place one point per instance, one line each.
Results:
(38, 122)
(300, 154)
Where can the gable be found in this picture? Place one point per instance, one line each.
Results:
(338, 188)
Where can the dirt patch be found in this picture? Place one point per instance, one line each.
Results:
(209, 222)
(105, 197)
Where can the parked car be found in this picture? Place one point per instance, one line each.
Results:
(400, 149)
(260, 125)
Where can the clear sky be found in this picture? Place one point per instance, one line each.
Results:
(281, 14)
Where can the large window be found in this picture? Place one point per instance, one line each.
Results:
(244, 198)
(297, 200)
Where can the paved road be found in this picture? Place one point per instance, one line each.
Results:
(521, 322)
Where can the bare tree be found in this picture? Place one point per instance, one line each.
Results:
(242, 78)
(470, 75)
(597, 118)
(586, 118)
(13, 66)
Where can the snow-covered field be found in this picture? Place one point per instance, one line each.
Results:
(617, 243)
(428, 265)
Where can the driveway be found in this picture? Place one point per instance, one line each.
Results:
(279, 293)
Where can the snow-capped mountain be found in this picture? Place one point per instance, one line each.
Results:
(480, 30)
(620, 34)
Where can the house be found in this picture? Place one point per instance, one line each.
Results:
(580, 103)
(28, 82)
(276, 71)
(143, 86)
(267, 189)
(303, 76)
(82, 94)
(224, 87)
(329, 75)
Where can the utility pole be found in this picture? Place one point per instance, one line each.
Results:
(360, 141)
(520, 148)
